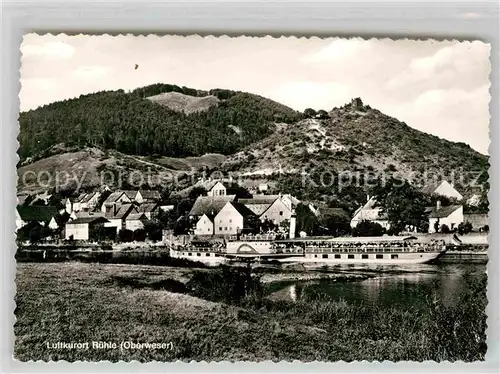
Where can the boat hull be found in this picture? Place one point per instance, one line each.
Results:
(389, 258)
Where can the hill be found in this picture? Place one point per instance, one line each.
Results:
(358, 139)
(89, 168)
(132, 124)
(185, 103)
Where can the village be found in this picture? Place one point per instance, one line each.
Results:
(211, 208)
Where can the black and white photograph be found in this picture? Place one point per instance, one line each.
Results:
(244, 198)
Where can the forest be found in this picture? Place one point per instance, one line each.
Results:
(129, 123)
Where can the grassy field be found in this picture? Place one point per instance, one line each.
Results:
(75, 302)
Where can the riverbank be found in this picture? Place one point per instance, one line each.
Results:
(114, 303)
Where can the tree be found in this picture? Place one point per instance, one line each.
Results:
(267, 225)
(368, 228)
(436, 225)
(445, 229)
(139, 235)
(125, 235)
(464, 228)
(322, 114)
(309, 113)
(403, 203)
(306, 220)
(197, 191)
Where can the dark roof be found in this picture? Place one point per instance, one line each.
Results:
(88, 219)
(150, 194)
(87, 197)
(430, 187)
(135, 217)
(113, 197)
(209, 204)
(122, 210)
(332, 212)
(442, 212)
(147, 207)
(37, 213)
(260, 199)
(242, 209)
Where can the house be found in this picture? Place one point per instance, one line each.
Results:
(280, 210)
(324, 212)
(205, 225)
(276, 208)
(263, 187)
(117, 197)
(89, 201)
(151, 210)
(478, 220)
(442, 188)
(117, 213)
(83, 228)
(259, 203)
(451, 216)
(210, 205)
(370, 212)
(135, 221)
(44, 215)
(147, 196)
(220, 187)
(234, 218)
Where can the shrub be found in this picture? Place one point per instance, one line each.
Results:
(227, 285)
(125, 235)
(464, 228)
(368, 228)
(445, 229)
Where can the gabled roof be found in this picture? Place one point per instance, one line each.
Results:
(209, 204)
(37, 213)
(324, 211)
(147, 207)
(122, 210)
(242, 209)
(136, 217)
(131, 194)
(88, 219)
(150, 194)
(88, 197)
(441, 212)
(260, 199)
(113, 198)
(370, 211)
(21, 199)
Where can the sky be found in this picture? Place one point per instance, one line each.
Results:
(439, 87)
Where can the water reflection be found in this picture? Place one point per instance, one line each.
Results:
(408, 287)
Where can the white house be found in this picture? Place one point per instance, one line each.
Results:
(209, 205)
(450, 216)
(117, 213)
(370, 212)
(205, 225)
(442, 188)
(82, 228)
(118, 197)
(233, 218)
(135, 221)
(44, 215)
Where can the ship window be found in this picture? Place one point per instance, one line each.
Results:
(315, 256)
(364, 256)
(208, 255)
(338, 256)
(190, 254)
(380, 256)
(350, 256)
(324, 256)
(217, 255)
(394, 256)
(198, 254)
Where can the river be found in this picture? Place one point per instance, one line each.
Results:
(390, 286)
